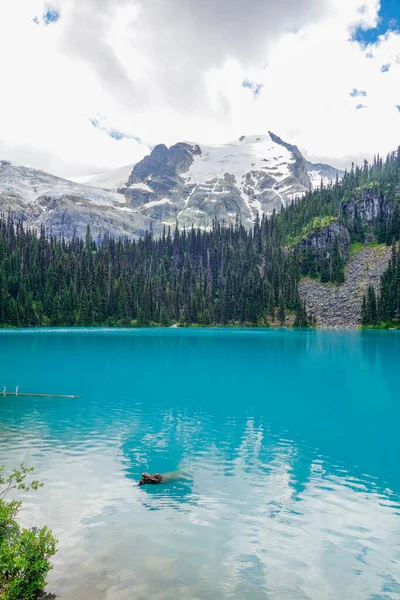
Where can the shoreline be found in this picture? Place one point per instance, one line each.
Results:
(77, 328)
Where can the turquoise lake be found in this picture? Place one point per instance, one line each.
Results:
(288, 442)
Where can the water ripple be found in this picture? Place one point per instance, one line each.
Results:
(276, 500)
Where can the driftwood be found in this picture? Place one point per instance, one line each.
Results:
(152, 479)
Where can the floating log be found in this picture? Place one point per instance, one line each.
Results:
(17, 393)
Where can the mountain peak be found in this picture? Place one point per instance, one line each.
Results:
(189, 183)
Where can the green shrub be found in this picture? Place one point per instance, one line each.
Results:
(24, 553)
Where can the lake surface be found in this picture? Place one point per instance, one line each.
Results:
(289, 442)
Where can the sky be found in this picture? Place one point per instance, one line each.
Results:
(91, 85)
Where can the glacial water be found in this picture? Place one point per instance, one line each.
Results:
(289, 442)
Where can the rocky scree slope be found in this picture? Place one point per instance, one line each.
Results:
(339, 306)
(186, 183)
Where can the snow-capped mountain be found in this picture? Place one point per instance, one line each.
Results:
(186, 183)
(64, 206)
(195, 185)
(109, 180)
(31, 184)
(325, 173)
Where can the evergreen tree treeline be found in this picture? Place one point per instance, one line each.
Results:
(384, 306)
(227, 275)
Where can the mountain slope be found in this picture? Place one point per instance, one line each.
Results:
(31, 184)
(196, 185)
(64, 207)
(186, 183)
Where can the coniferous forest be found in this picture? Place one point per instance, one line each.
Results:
(230, 275)
(383, 308)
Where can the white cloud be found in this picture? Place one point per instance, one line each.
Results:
(165, 72)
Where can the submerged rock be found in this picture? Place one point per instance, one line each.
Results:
(156, 478)
(147, 478)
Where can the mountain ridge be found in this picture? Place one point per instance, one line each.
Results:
(187, 183)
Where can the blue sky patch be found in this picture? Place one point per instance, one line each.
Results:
(113, 133)
(358, 93)
(360, 106)
(254, 86)
(389, 20)
(51, 16)
(398, 107)
(385, 68)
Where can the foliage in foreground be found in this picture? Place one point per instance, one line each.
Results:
(24, 553)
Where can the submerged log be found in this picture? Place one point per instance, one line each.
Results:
(152, 479)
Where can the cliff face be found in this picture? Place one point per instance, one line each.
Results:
(322, 241)
(366, 210)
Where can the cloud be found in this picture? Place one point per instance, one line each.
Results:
(154, 48)
(205, 71)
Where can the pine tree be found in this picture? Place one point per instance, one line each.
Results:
(164, 317)
(364, 312)
(281, 312)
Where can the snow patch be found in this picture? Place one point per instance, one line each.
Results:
(110, 180)
(140, 186)
(31, 184)
(157, 203)
(253, 153)
(125, 209)
(316, 177)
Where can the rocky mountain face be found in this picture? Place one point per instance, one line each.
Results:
(186, 183)
(367, 208)
(364, 211)
(195, 185)
(322, 242)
